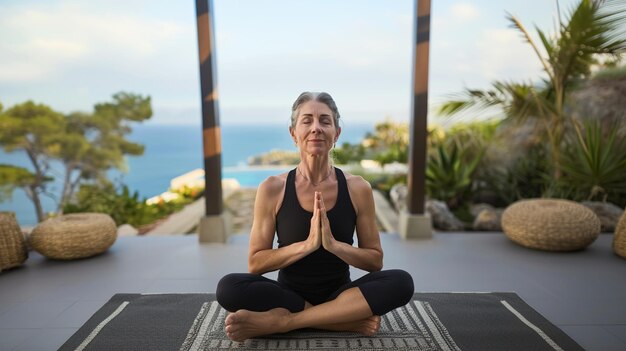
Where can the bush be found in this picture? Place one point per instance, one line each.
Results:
(189, 193)
(529, 176)
(450, 175)
(120, 204)
(594, 163)
(348, 153)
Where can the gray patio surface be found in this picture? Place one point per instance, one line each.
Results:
(44, 302)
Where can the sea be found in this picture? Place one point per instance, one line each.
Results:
(173, 150)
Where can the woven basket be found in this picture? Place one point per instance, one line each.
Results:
(73, 236)
(619, 240)
(550, 224)
(13, 250)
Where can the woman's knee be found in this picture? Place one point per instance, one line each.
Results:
(388, 290)
(402, 285)
(229, 289)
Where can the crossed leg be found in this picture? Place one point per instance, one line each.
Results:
(261, 306)
(348, 312)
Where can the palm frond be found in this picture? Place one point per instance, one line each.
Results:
(546, 42)
(593, 28)
(471, 99)
(517, 24)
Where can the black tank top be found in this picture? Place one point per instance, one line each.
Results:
(321, 273)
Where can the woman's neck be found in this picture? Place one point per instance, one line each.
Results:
(315, 171)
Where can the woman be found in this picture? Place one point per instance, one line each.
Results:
(314, 210)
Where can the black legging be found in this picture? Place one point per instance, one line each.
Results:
(383, 291)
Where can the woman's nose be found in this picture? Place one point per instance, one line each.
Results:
(317, 127)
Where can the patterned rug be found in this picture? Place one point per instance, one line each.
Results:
(432, 321)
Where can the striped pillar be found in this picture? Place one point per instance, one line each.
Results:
(212, 226)
(416, 223)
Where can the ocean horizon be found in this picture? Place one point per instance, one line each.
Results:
(173, 150)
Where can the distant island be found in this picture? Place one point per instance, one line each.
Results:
(275, 158)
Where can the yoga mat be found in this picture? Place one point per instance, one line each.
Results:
(431, 321)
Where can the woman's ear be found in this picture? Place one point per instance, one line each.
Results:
(293, 135)
(338, 133)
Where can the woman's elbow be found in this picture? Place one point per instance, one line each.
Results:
(253, 268)
(377, 264)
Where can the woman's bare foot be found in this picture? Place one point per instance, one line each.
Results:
(245, 324)
(368, 326)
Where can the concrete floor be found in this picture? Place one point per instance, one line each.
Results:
(44, 302)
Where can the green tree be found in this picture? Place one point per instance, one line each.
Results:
(95, 143)
(389, 142)
(592, 29)
(12, 177)
(37, 130)
(88, 145)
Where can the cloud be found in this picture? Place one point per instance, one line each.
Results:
(505, 54)
(464, 12)
(71, 54)
(473, 53)
(362, 60)
(50, 41)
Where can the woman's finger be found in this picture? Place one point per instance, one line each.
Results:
(315, 205)
(318, 203)
(322, 205)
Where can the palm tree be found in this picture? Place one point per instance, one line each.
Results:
(593, 29)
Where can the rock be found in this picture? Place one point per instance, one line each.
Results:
(442, 217)
(476, 209)
(127, 230)
(240, 204)
(489, 219)
(608, 213)
(398, 194)
(487, 196)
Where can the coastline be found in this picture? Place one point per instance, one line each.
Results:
(166, 157)
(238, 204)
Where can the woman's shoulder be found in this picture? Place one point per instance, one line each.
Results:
(271, 191)
(360, 192)
(273, 185)
(356, 182)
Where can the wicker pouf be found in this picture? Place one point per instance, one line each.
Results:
(619, 240)
(13, 250)
(73, 236)
(550, 224)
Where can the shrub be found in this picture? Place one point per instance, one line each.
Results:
(120, 204)
(449, 175)
(348, 153)
(594, 163)
(529, 176)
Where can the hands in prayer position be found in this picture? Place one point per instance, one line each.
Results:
(320, 233)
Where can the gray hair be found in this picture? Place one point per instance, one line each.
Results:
(322, 97)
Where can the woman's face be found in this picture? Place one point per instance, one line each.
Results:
(315, 132)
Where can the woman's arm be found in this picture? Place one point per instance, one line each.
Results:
(369, 255)
(262, 256)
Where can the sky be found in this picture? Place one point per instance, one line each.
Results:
(71, 54)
